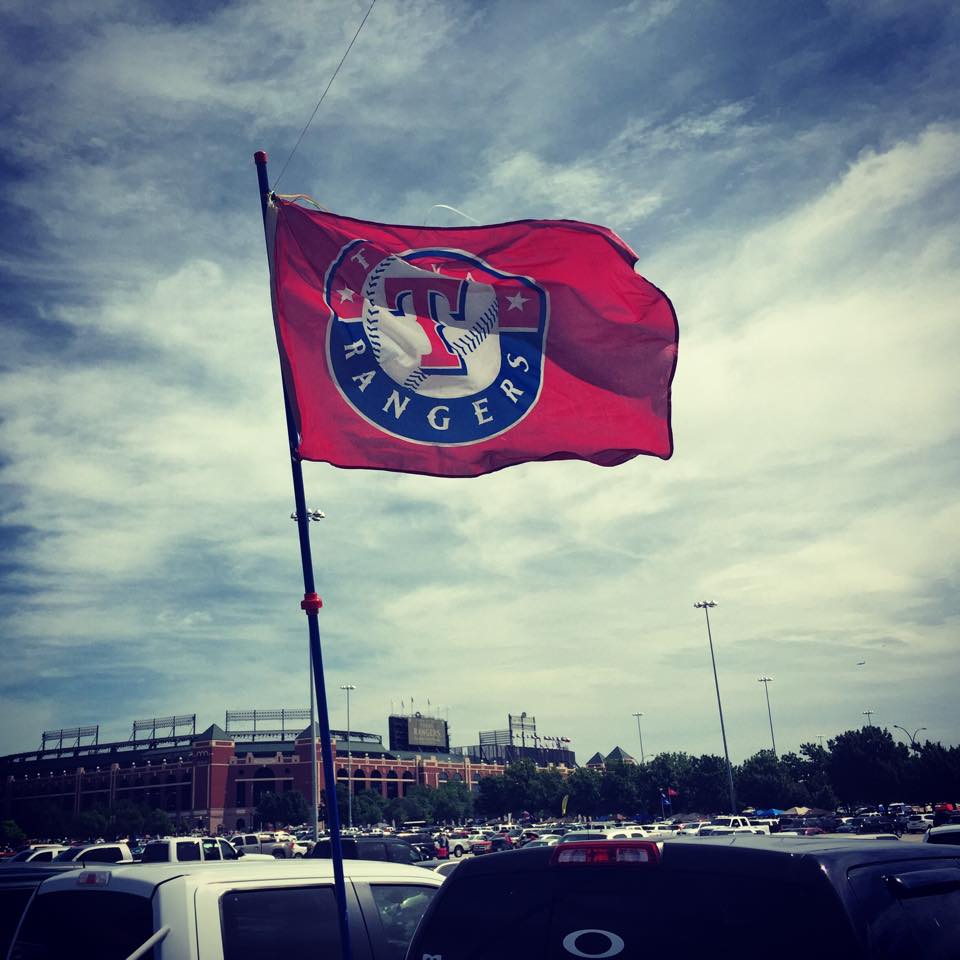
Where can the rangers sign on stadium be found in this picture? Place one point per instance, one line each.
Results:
(457, 351)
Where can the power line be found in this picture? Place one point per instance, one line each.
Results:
(303, 132)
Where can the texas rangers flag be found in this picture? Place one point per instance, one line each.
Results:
(458, 351)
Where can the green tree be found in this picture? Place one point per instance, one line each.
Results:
(400, 810)
(128, 819)
(620, 789)
(11, 834)
(582, 789)
(452, 802)
(91, 823)
(157, 823)
(669, 771)
(707, 788)
(492, 797)
(283, 809)
(368, 807)
(867, 765)
(763, 781)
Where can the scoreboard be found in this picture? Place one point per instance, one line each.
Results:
(419, 733)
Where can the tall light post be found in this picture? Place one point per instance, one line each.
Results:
(912, 736)
(766, 689)
(640, 734)
(705, 606)
(868, 714)
(348, 687)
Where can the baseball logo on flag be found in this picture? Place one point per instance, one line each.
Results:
(434, 345)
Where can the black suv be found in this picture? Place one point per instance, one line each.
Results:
(746, 897)
(391, 849)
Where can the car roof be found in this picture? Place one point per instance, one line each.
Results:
(144, 878)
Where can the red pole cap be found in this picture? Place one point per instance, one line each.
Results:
(260, 156)
(311, 604)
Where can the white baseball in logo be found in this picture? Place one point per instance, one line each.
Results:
(433, 334)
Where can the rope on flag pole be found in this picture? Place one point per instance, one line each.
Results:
(325, 92)
(311, 605)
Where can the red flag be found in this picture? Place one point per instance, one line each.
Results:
(458, 351)
(672, 793)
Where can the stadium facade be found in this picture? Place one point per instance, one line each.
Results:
(214, 780)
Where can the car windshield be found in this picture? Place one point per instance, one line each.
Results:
(83, 923)
(70, 854)
(566, 912)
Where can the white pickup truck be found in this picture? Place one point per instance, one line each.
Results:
(225, 911)
(279, 845)
(721, 826)
(187, 849)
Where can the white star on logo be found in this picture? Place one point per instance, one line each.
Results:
(346, 294)
(517, 301)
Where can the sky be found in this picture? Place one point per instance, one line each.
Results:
(786, 172)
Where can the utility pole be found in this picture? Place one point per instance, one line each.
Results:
(705, 606)
(765, 681)
(348, 687)
(640, 733)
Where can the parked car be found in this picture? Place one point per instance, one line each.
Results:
(632, 899)
(946, 833)
(188, 849)
(279, 845)
(692, 828)
(391, 849)
(17, 883)
(95, 853)
(36, 853)
(919, 822)
(234, 911)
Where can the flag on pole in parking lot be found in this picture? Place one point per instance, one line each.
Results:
(459, 351)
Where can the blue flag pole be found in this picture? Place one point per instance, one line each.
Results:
(311, 605)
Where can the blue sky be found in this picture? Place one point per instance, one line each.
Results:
(787, 173)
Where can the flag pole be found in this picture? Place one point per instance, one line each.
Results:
(311, 605)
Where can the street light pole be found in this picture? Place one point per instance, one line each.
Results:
(705, 606)
(640, 734)
(765, 681)
(348, 687)
(912, 736)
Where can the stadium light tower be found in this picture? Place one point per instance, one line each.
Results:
(705, 606)
(640, 734)
(766, 689)
(348, 687)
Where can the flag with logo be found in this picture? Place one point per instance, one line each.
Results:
(459, 351)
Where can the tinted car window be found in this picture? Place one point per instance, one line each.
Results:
(102, 855)
(88, 923)
(400, 853)
(563, 912)
(70, 854)
(188, 850)
(156, 853)
(228, 852)
(400, 907)
(948, 836)
(298, 923)
(370, 851)
(210, 850)
(12, 902)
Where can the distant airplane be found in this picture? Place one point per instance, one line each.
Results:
(860, 663)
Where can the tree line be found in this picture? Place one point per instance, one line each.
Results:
(858, 766)
(865, 766)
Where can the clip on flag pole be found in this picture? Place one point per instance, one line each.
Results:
(311, 604)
